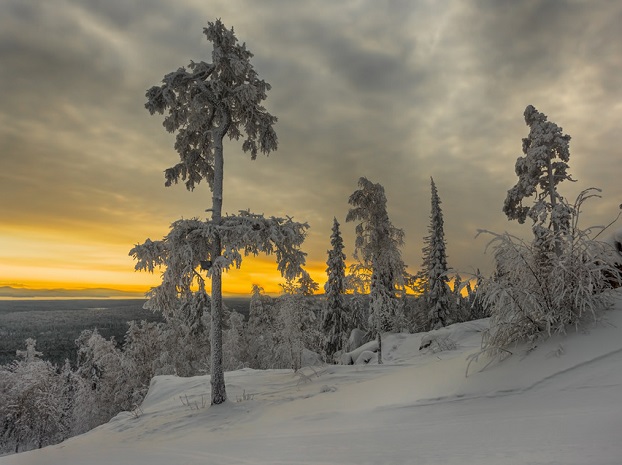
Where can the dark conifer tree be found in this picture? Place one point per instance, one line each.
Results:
(434, 277)
(335, 321)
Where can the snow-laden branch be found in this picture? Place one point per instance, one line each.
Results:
(189, 242)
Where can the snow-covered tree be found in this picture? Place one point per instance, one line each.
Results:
(189, 242)
(475, 299)
(306, 285)
(205, 104)
(543, 167)
(377, 247)
(235, 342)
(297, 324)
(31, 354)
(459, 309)
(358, 282)
(335, 324)
(261, 329)
(260, 308)
(105, 386)
(291, 325)
(32, 406)
(433, 279)
(142, 351)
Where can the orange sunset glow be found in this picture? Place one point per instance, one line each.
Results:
(77, 266)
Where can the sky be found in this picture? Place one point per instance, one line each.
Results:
(396, 91)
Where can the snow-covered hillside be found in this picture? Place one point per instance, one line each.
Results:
(559, 402)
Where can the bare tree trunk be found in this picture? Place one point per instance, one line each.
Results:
(558, 250)
(379, 348)
(219, 393)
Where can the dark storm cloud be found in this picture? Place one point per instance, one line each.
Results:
(397, 91)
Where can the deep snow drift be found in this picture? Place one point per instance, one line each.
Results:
(559, 402)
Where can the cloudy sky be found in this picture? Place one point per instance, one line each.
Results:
(396, 91)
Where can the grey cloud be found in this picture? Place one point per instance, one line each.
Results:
(396, 91)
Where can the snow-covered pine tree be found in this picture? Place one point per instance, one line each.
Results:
(142, 353)
(204, 104)
(235, 347)
(105, 387)
(357, 285)
(297, 325)
(459, 304)
(335, 321)
(261, 328)
(433, 279)
(543, 167)
(190, 241)
(260, 307)
(306, 285)
(377, 247)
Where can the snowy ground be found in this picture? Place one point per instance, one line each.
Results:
(557, 403)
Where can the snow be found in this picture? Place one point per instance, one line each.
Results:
(556, 402)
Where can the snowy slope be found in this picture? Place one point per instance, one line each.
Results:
(557, 403)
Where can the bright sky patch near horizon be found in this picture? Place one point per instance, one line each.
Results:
(395, 91)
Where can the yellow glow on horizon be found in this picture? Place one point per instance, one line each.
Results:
(43, 262)
(263, 271)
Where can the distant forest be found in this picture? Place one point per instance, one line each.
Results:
(56, 324)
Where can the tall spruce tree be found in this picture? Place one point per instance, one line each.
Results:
(434, 279)
(335, 321)
(543, 167)
(205, 104)
(377, 247)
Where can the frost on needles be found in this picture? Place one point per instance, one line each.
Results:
(202, 105)
(335, 317)
(377, 247)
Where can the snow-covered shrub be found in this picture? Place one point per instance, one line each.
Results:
(33, 409)
(534, 294)
(438, 341)
(474, 300)
(349, 358)
(357, 338)
(365, 357)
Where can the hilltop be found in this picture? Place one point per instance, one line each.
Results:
(554, 402)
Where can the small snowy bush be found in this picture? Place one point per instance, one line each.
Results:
(437, 341)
